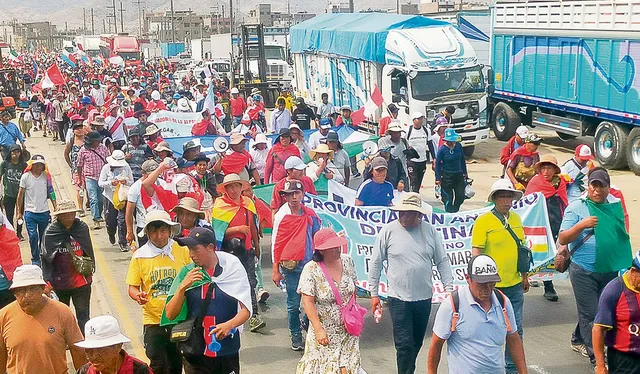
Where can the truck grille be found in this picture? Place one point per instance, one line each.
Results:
(275, 71)
(466, 113)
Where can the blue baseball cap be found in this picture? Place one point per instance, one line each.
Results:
(325, 123)
(450, 135)
(176, 96)
(85, 100)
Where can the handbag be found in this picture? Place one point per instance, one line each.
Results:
(525, 256)
(563, 257)
(83, 264)
(352, 313)
(189, 334)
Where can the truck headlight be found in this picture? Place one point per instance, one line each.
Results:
(482, 118)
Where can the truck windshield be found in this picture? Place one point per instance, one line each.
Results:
(129, 56)
(274, 52)
(427, 85)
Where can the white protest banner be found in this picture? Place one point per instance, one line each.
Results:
(360, 225)
(172, 124)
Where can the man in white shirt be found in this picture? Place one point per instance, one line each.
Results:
(325, 109)
(134, 205)
(116, 126)
(280, 117)
(419, 139)
(321, 135)
(33, 194)
(98, 94)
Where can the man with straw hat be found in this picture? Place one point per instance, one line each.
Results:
(152, 136)
(410, 246)
(235, 224)
(491, 237)
(554, 188)
(321, 168)
(189, 216)
(103, 342)
(65, 238)
(238, 160)
(36, 330)
(152, 269)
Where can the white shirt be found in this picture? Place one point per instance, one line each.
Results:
(418, 139)
(35, 192)
(118, 134)
(316, 139)
(108, 174)
(98, 95)
(325, 110)
(259, 159)
(279, 119)
(312, 167)
(573, 170)
(134, 197)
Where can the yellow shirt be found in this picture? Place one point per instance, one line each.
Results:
(490, 235)
(155, 276)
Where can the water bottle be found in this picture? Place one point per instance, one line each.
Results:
(283, 286)
(377, 314)
(438, 191)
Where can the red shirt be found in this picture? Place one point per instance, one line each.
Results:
(277, 200)
(237, 106)
(383, 125)
(241, 219)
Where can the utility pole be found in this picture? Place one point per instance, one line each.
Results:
(121, 18)
(84, 20)
(93, 32)
(397, 6)
(231, 17)
(173, 29)
(350, 6)
(139, 16)
(115, 16)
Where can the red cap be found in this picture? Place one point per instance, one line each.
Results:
(583, 152)
(326, 238)
(76, 117)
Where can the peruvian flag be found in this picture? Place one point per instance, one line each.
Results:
(166, 195)
(53, 77)
(373, 103)
(115, 59)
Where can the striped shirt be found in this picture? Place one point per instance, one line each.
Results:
(92, 160)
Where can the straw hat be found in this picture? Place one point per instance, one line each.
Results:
(151, 129)
(547, 159)
(160, 216)
(321, 148)
(229, 179)
(190, 204)
(410, 202)
(503, 185)
(66, 206)
(162, 146)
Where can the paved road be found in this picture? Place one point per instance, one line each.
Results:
(548, 326)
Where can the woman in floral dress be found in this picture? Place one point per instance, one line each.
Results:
(329, 348)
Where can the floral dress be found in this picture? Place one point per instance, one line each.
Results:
(343, 349)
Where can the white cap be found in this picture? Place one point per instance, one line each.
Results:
(234, 90)
(294, 126)
(503, 185)
(260, 139)
(155, 95)
(113, 80)
(417, 115)
(294, 162)
(27, 275)
(482, 269)
(135, 81)
(102, 331)
(522, 131)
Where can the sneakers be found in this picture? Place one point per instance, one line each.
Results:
(112, 237)
(96, 225)
(297, 343)
(256, 323)
(263, 295)
(550, 292)
(356, 174)
(580, 348)
(82, 213)
(124, 248)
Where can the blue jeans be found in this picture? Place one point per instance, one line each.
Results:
(236, 120)
(95, 198)
(409, 320)
(292, 278)
(259, 284)
(36, 224)
(516, 296)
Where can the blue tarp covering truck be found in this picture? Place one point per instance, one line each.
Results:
(420, 64)
(571, 67)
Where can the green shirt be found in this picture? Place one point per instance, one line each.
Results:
(11, 174)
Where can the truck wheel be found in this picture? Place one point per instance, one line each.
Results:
(504, 121)
(633, 151)
(610, 144)
(468, 151)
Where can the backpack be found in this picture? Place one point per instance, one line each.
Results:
(455, 304)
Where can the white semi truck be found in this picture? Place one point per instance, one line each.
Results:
(420, 64)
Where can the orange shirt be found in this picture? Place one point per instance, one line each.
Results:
(37, 344)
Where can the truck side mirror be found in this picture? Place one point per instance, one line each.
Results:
(490, 76)
(395, 98)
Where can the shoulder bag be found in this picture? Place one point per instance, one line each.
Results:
(525, 256)
(83, 264)
(189, 335)
(563, 257)
(352, 313)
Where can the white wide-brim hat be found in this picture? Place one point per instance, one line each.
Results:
(503, 185)
(102, 331)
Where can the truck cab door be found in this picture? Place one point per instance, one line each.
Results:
(395, 88)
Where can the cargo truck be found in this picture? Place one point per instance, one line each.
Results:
(420, 64)
(122, 45)
(570, 67)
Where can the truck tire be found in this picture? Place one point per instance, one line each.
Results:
(504, 121)
(633, 151)
(610, 145)
(468, 151)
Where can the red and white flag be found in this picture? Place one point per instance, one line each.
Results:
(53, 77)
(374, 102)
